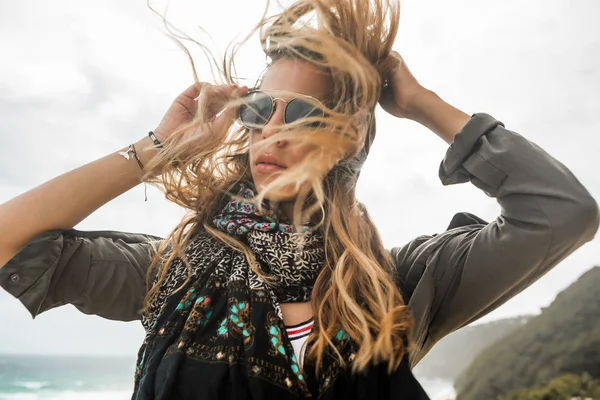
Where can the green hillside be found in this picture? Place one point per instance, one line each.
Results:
(567, 386)
(565, 338)
(455, 352)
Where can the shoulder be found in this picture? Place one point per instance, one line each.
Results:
(410, 261)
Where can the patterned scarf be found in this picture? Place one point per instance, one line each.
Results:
(227, 312)
(241, 217)
(292, 261)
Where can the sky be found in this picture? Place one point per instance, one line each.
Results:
(79, 80)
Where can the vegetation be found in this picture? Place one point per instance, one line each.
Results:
(567, 386)
(564, 339)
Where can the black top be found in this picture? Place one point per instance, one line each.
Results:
(227, 364)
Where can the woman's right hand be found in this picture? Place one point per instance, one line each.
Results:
(184, 108)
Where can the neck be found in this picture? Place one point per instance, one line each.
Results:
(286, 209)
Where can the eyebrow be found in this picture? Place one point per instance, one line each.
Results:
(267, 91)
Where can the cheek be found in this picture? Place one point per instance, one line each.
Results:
(298, 154)
(252, 135)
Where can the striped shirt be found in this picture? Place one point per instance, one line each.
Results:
(298, 335)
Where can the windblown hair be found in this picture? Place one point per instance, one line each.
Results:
(351, 42)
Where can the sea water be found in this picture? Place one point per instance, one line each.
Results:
(94, 378)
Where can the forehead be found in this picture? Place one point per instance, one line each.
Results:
(296, 76)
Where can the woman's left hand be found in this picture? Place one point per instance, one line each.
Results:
(402, 89)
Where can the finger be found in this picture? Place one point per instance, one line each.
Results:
(193, 91)
(229, 91)
(225, 119)
(218, 96)
(215, 99)
(227, 116)
(397, 58)
(242, 91)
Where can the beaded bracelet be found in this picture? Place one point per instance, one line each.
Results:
(157, 142)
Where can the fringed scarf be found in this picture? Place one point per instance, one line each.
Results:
(221, 336)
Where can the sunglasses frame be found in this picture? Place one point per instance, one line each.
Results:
(273, 99)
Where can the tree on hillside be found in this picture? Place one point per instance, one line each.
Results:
(565, 338)
(564, 387)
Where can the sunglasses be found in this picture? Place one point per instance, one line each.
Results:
(259, 107)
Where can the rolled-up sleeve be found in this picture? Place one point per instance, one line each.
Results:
(456, 277)
(101, 273)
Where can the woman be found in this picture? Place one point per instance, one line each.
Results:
(275, 246)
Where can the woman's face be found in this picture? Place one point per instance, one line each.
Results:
(297, 78)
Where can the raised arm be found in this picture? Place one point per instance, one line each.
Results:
(64, 201)
(48, 264)
(454, 278)
(458, 276)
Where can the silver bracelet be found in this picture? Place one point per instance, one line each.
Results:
(131, 150)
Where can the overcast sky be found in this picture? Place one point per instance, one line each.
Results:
(79, 80)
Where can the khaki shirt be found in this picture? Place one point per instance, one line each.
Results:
(450, 279)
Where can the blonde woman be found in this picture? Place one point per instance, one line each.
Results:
(276, 285)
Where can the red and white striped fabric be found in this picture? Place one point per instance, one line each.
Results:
(298, 335)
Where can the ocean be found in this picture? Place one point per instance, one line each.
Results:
(93, 378)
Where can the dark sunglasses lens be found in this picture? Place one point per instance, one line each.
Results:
(256, 110)
(298, 109)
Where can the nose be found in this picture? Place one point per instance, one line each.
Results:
(273, 125)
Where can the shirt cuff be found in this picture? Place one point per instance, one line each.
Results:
(464, 145)
(28, 274)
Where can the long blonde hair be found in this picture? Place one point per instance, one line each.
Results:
(351, 41)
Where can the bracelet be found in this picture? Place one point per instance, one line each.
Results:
(157, 142)
(131, 150)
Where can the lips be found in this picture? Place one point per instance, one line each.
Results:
(268, 163)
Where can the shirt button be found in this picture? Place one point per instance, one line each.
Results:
(15, 278)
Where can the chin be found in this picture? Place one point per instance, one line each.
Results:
(285, 194)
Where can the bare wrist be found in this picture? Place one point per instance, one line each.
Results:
(418, 108)
(146, 149)
(443, 119)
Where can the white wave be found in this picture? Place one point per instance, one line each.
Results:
(31, 385)
(19, 396)
(438, 389)
(70, 395)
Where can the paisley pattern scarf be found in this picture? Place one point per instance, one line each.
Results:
(241, 217)
(221, 335)
(227, 312)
